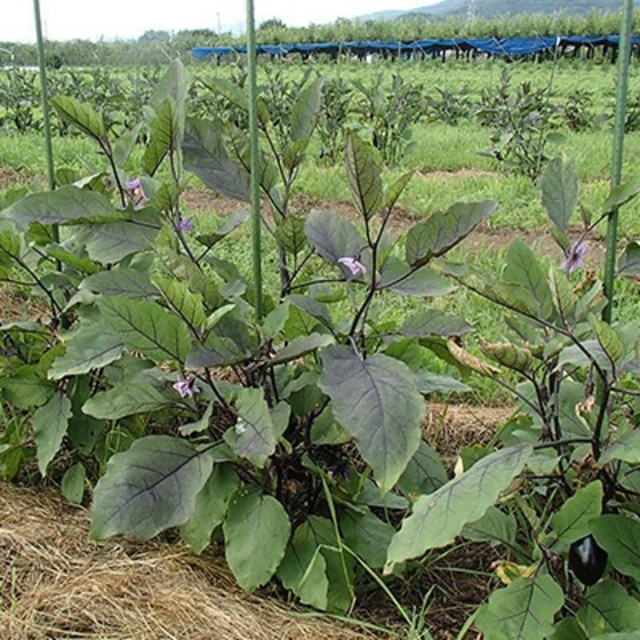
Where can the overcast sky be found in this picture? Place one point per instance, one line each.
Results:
(93, 19)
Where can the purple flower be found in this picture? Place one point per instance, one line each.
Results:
(185, 224)
(575, 257)
(136, 193)
(354, 265)
(186, 387)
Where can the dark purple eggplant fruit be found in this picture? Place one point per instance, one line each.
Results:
(587, 560)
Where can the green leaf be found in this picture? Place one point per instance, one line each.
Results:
(424, 474)
(72, 484)
(254, 435)
(303, 568)
(364, 175)
(522, 611)
(428, 383)
(434, 322)
(573, 520)
(232, 222)
(377, 402)
(290, 234)
(395, 190)
(66, 205)
(305, 110)
(110, 242)
(619, 536)
(80, 115)
(443, 231)
(608, 338)
(494, 527)
(90, 347)
(629, 261)
(123, 282)
(50, 424)
(256, 532)
(125, 399)
(621, 194)
(609, 608)
(396, 276)
(188, 305)
(210, 508)
(302, 345)
(367, 536)
(332, 237)
(439, 517)
(145, 326)
(206, 156)
(148, 488)
(527, 281)
(164, 135)
(559, 184)
(625, 448)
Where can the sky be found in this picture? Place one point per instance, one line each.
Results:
(95, 19)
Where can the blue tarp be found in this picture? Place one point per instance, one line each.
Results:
(493, 46)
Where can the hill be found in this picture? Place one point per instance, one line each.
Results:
(495, 8)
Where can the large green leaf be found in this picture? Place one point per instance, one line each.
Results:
(364, 175)
(302, 345)
(80, 115)
(559, 184)
(256, 532)
(145, 326)
(522, 611)
(149, 488)
(439, 517)
(443, 231)
(573, 520)
(367, 535)
(90, 347)
(332, 237)
(303, 568)
(619, 536)
(50, 423)
(206, 156)
(376, 401)
(164, 136)
(526, 280)
(123, 282)
(609, 608)
(625, 448)
(305, 110)
(126, 399)
(254, 436)
(188, 305)
(110, 242)
(66, 205)
(210, 508)
(424, 474)
(494, 527)
(434, 322)
(424, 282)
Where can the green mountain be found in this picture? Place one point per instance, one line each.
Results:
(494, 8)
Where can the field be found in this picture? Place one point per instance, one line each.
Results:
(430, 231)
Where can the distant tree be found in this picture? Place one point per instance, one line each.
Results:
(151, 35)
(272, 24)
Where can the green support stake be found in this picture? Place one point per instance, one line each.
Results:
(255, 157)
(44, 94)
(624, 53)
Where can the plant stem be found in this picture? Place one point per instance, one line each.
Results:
(624, 53)
(255, 158)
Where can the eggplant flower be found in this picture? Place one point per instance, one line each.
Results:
(186, 224)
(353, 265)
(186, 387)
(136, 193)
(574, 258)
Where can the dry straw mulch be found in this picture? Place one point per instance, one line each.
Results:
(56, 583)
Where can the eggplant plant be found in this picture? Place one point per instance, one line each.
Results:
(293, 438)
